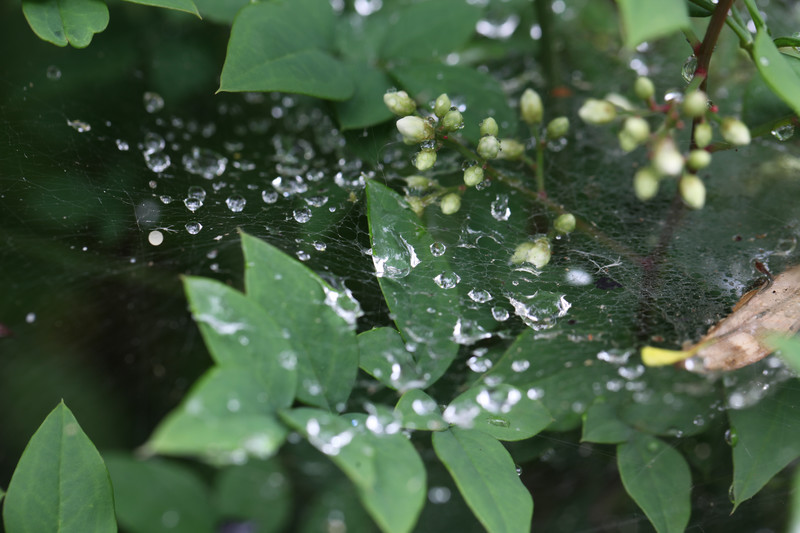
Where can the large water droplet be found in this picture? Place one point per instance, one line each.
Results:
(192, 203)
(153, 102)
(79, 126)
(157, 162)
(540, 310)
(302, 215)
(731, 437)
(196, 192)
(688, 68)
(479, 296)
(53, 73)
(235, 203)
(153, 142)
(205, 162)
(438, 249)
(500, 209)
(193, 227)
(269, 197)
(783, 133)
(447, 280)
(500, 314)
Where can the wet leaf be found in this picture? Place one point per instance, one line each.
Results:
(487, 479)
(60, 483)
(383, 355)
(794, 512)
(365, 107)
(768, 439)
(657, 477)
(186, 6)
(223, 12)
(601, 424)
(158, 496)
(258, 493)
(643, 20)
(419, 411)
(63, 22)
(774, 67)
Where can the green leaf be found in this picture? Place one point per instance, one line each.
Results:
(225, 418)
(187, 6)
(768, 439)
(418, 411)
(222, 11)
(657, 477)
(383, 355)
(319, 320)
(406, 269)
(429, 29)
(158, 496)
(789, 350)
(63, 22)
(643, 20)
(794, 511)
(602, 425)
(258, 492)
(502, 411)
(487, 479)
(366, 107)
(60, 483)
(385, 468)
(280, 46)
(240, 333)
(776, 71)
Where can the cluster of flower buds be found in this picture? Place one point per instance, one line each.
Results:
(666, 160)
(538, 251)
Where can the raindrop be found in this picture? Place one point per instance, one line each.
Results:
(302, 215)
(783, 133)
(764, 61)
(578, 277)
(122, 146)
(631, 372)
(479, 296)
(317, 201)
(519, 470)
(157, 162)
(153, 102)
(500, 209)
(30, 318)
(500, 314)
(303, 255)
(731, 437)
(499, 422)
(732, 494)
(521, 365)
(289, 186)
(53, 73)
(205, 162)
(196, 192)
(439, 495)
(698, 421)
(688, 68)
(153, 142)
(479, 364)
(447, 280)
(79, 126)
(193, 204)
(320, 246)
(165, 199)
(438, 249)
(235, 203)
(269, 197)
(193, 228)
(500, 29)
(234, 405)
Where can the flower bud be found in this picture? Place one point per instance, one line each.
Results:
(539, 253)
(489, 126)
(637, 128)
(597, 111)
(617, 100)
(521, 252)
(488, 147)
(452, 120)
(417, 182)
(735, 132)
(645, 184)
(511, 149)
(644, 88)
(425, 159)
(626, 141)
(416, 205)
(450, 203)
(703, 134)
(442, 105)
(530, 107)
(565, 223)
(667, 160)
(399, 103)
(695, 104)
(698, 159)
(415, 129)
(473, 175)
(557, 128)
(692, 191)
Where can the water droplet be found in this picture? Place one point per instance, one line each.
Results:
(764, 61)
(615, 356)
(631, 372)
(302, 215)
(30, 318)
(479, 364)
(196, 192)
(439, 495)
(153, 102)
(302, 255)
(447, 280)
(541, 309)
(698, 421)
(289, 186)
(155, 238)
(500, 209)
(205, 162)
(653, 446)
(317, 201)
(498, 422)
(344, 304)
(520, 365)
(438, 249)
(235, 203)
(192, 204)
(320, 246)
(157, 162)
(153, 142)
(578, 277)
(53, 73)
(122, 146)
(500, 313)
(731, 437)
(234, 405)
(519, 470)
(479, 296)
(269, 197)
(79, 126)
(732, 494)
(688, 68)
(783, 133)
(193, 228)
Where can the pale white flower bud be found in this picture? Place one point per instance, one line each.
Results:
(415, 129)
(425, 159)
(450, 203)
(644, 88)
(667, 160)
(565, 223)
(442, 105)
(645, 184)
(539, 254)
(399, 103)
(596, 111)
(735, 132)
(418, 182)
(557, 128)
(695, 104)
(488, 147)
(703, 134)
(473, 175)
(637, 128)
(416, 205)
(452, 120)
(530, 107)
(692, 191)
(489, 126)
(698, 159)
(510, 149)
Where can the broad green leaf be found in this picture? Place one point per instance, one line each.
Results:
(657, 477)
(644, 20)
(383, 355)
(479, 91)
(776, 70)
(222, 11)
(225, 418)
(240, 333)
(487, 479)
(257, 492)
(63, 22)
(317, 319)
(503, 411)
(60, 483)
(602, 425)
(280, 46)
(159, 496)
(429, 29)
(417, 410)
(794, 512)
(366, 107)
(186, 6)
(385, 468)
(338, 501)
(425, 313)
(789, 350)
(768, 439)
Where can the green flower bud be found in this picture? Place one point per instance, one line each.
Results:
(565, 223)
(637, 128)
(521, 252)
(692, 191)
(695, 104)
(488, 147)
(473, 175)
(450, 203)
(539, 254)
(425, 159)
(530, 107)
(452, 120)
(557, 128)
(489, 126)
(511, 149)
(644, 88)
(703, 134)
(415, 204)
(645, 184)
(399, 103)
(417, 182)
(667, 160)
(735, 132)
(597, 111)
(415, 129)
(698, 159)
(442, 105)
(626, 141)
(617, 100)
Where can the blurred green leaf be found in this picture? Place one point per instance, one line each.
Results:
(222, 11)
(643, 20)
(419, 411)
(257, 492)
(63, 22)
(158, 496)
(366, 107)
(186, 6)
(768, 439)
(601, 424)
(774, 67)
(789, 350)
(794, 511)
(383, 355)
(658, 479)
(336, 504)
(224, 418)
(60, 483)
(280, 46)
(487, 479)
(318, 319)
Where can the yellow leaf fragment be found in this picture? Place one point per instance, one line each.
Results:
(652, 356)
